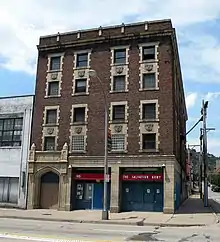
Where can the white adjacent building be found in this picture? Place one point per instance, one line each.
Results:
(15, 132)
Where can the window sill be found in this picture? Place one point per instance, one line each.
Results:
(149, 151)
(149, 120)
(120, 64)
(10, 147)
(80, 94)
(118, 121)
(118, 152)
(148, 61)
(149, 89)
(80, 68)
(50, 125)
(54, 71)
(78, 123)
(122, 91)
(53, 96)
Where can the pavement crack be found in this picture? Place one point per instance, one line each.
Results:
(187, 238)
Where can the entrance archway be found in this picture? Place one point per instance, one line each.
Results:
(49, 191)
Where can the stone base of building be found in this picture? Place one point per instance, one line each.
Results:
(70, 188)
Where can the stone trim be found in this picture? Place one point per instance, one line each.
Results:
(117, 104)
(146, 64)
(50, 130)
(80, 74)
(46, 108)
(149, 126)
(120, 129)
(61, 61)
(89, 51)
(55, 75)
(79, 106)
(142, 102)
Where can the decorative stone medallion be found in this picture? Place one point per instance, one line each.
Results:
(50, 130)
(148, 67)
(81, 73)
(149, 127)
(119, 69)
(78, 130)
(54, 76)
(118, 128)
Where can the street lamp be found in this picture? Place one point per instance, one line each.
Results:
(105, 214)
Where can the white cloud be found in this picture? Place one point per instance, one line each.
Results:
(22, 22)
(191, 99)
(210, 96)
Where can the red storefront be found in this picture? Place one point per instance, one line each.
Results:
(142, 192)
(88, 189)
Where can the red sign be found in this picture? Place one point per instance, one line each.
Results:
(90, 176)
(141, 177)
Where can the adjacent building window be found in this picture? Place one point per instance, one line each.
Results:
(78, 143)
(118, 113)
(120, 56)
(51, 116)
(55, 63)
(11, 131)
(79, 114)
(118, 142)
(80, 85)
(82, 60)
(49, 143)
(149, 111)
(119, 83)
(149, 141)
(9, 189)
(148, 53)
(53, 88)
(149, 80)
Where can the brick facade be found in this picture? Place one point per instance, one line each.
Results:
(170, 96)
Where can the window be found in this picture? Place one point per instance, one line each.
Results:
(11, 131)
(49, 143)
(82, 60)
(149, 80)
(149, 141)
(80, 85)
(53, 88)
(55, 63)
(118, 113)
(9, 189)
(51, 116)
(78, 143)
(118, 142)
(119, 83)
(120, 56)
(149, 111)
(148, 53)
(79, 114)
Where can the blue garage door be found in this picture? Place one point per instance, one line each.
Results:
(142, 196)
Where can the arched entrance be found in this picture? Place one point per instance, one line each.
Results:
(49, 191)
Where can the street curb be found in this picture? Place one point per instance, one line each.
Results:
(215, 213)
(105, 222)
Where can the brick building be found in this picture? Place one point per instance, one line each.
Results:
(138, 65)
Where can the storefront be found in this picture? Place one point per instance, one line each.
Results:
(89, 190)
(142, 190)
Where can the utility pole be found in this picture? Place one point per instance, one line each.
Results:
(204, 114)
(200, 164)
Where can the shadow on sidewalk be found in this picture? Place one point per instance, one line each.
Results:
(193, 205)
(215, 205)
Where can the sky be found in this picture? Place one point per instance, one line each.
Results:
(197, 25)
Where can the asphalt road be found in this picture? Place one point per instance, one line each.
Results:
(12, 230)
(214, 195)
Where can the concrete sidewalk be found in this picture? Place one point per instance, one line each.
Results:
(191, 213)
